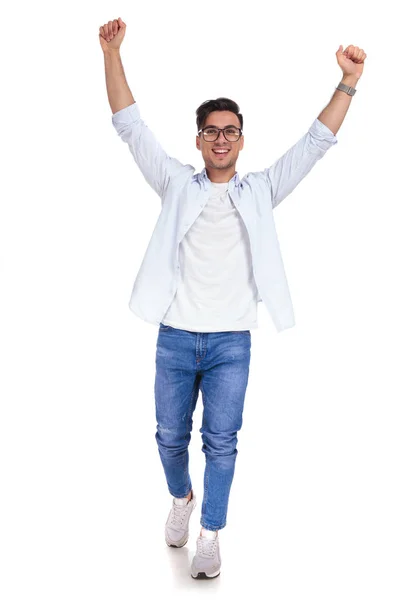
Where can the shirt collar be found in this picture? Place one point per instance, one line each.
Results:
(233, 182)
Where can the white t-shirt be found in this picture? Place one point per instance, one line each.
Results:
(217, 291)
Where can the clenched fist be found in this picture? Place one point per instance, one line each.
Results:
(111, 34)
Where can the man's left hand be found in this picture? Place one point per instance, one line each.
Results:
(351, 60)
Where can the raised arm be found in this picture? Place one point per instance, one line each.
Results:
(351, 61)
(285, 174)
(154, 163)
(111, 36)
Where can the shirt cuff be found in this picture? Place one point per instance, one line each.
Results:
(322, 137)
(127, 115)
(322, 132)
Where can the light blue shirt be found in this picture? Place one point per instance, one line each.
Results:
(183, 194)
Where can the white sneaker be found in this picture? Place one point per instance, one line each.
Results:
(177, 525)
(206, 563)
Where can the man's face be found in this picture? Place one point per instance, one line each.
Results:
(220, 119)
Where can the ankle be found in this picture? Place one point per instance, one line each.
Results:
(203, 532)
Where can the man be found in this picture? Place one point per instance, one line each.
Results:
(213, 256)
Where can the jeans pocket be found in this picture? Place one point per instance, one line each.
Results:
(164, 327)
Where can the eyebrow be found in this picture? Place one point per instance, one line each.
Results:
(221, 127)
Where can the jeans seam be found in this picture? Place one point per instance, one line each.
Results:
(190, 408)
(207, 470)
(186, 472)
(212, 527)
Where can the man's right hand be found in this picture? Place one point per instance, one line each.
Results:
(111, 34)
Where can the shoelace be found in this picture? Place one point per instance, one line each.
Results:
(178, 514)
(206, 547)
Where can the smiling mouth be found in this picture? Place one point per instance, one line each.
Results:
(224, 153)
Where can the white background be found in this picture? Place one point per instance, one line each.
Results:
(314, 503)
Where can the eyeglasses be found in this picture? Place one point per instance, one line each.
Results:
(231, 134)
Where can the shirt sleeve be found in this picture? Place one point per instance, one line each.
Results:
(154, 163)
(287, 172)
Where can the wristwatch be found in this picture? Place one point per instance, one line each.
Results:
(346, 88)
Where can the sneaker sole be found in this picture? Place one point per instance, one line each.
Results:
(203, 575)
(177, 545)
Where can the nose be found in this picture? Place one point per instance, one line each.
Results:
(221, 133)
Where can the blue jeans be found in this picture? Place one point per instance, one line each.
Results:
(217, 364)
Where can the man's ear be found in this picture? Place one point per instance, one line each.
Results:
(197, 142)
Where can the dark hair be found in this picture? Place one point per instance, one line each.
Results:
(219, 104)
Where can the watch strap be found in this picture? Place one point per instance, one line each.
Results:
(346, 88)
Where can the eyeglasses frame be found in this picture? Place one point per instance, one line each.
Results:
(223, 132)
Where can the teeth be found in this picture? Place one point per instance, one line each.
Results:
(220, 151)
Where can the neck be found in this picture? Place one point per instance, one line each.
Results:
(220, 175)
